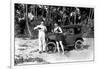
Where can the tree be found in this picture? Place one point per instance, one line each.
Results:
(28, 28)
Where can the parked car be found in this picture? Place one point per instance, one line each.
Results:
(72, 37)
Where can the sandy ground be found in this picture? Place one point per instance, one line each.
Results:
(27, 48)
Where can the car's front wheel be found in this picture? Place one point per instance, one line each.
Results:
(51, 47)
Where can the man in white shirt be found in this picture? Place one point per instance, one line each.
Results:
(41, 36)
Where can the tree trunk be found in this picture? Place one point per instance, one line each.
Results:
(30, 34)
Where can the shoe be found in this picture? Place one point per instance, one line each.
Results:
(40, 52)
(44, 51)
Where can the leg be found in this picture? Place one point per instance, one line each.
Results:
(62, 47)
(43, 44)
(58, 46)
(40, 45)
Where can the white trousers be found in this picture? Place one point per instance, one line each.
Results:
(42, 44)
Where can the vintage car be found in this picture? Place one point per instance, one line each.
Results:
(72, 38)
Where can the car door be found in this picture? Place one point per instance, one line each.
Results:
(69, 37)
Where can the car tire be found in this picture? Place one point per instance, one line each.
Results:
(79, 45)
(51, 47)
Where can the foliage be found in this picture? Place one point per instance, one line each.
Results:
(27, 16)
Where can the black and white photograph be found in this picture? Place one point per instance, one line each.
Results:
(49, 34)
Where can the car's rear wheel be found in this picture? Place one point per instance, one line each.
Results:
(51, 47)
(79, 45)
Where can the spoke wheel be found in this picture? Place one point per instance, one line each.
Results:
(51, 47)
(79, 45)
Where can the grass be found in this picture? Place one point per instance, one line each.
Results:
(21, 60)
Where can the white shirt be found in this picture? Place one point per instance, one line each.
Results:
(41, 29)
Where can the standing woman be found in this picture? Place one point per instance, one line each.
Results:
(59, 37)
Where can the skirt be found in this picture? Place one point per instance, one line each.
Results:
(59, 37)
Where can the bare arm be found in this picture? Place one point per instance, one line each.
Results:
(36, 27)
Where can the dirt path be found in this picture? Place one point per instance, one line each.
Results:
(28, 49)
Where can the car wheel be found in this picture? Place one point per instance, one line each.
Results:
(79, 45)
(51, 47)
